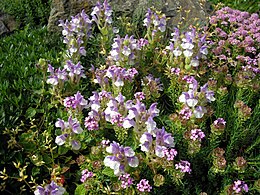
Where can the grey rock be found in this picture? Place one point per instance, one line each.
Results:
(7, 23)
(63, 9)
(3, 28)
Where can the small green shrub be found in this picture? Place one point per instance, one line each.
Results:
(19, 81)
(35, 12)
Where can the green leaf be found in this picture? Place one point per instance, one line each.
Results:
(62, 150)
(47, 159)
(35, 171)
(30, 112)
(109, 172)
(80, 190)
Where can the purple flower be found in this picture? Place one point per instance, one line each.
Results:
(184, 166)
(102, 14)
(75, 71)
(139, 95)
(74, 31)
(52, 189)
(146, 142)
(126, 180)
(61, 139)
(163, 140)
(71, 127)
(91, 121)
(144, 186)
(121, 157)
(170, 47)
(154, 20)
(147, 20)
(142, 42)
(220, 123)
(170, 153)
(61, 124)
(199, 111)
(76, 145)
(76, 101)
(56, 76)
(105, 143)
(152, 84)
(185, 113)
(150, 125)
(85, 174)
(74, 125)
(124, 50)
(117, 74)
(189, 98)
(240, 186)
(197, 134)
(175, 71)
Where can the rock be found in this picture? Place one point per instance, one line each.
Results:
(7, 23)
(63, 9)
(3, 28)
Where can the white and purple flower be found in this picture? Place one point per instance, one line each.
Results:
(120, 158)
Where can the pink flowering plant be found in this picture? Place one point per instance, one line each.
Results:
(156, 114)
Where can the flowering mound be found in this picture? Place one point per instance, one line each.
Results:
(155, 114)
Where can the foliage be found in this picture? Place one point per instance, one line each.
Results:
(34, 12)
(20, 85)
(243, 5)
(22, 89)
(116, 114)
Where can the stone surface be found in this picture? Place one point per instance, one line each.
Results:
(7, 23)
(63, 9)
(3, 28)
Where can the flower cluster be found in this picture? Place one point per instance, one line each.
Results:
(144, 186)
(57, 76)
(197, 134)
(189, 47)
(170, 153)
(75, 33)
(184, 166)
(193, 97)
(240, 186)
(116, 74)
(163, 144)
(69, 129)
(126, 180)
(120, 158)
(102, 14)
(75, 71)
(116, 110)
(91, 121)
(155, 22)
(52, 189)
(85, 174)
(236, 42)
(76, 102)
(138, 117)
(125, 50)
(70, 71)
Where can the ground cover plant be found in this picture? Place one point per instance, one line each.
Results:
(146, 113)
(33, 12)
